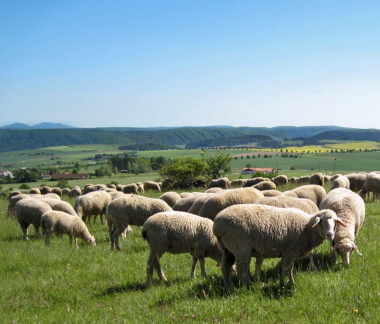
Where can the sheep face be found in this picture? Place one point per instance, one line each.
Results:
(326, 220)
(91, 241)
(345, 250)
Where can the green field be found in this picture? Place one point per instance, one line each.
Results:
(94, 284)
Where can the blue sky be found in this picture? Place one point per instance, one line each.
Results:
(190, 63)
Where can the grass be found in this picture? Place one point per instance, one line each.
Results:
(62, 284)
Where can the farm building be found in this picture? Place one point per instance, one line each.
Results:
(70, 176)
(253, 170)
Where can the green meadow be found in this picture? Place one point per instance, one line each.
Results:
(61, 284)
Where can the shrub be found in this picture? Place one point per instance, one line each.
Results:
(63, 183)
(24, 186)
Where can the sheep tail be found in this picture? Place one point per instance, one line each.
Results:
(145, 235)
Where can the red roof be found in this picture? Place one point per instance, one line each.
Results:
(70, 176)
(259, 169)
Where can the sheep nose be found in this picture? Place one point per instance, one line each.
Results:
(330, 236)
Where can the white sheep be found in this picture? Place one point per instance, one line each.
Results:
(59, 223)
(317, 179)
(350, 208)
(151, 185)
(245, 231)
(313, 192)
(372, 184)
(170, 198)
(281, 180)
(93, 203)
(59, 205)
(179, 232)
(223, 183)
(185, 203)
(265, 185)
(341, 182)
(271, 193)
(131, 188)
(29, 211)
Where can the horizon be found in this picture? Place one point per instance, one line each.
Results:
(90, 64)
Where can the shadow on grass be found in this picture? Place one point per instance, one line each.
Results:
(118, 289)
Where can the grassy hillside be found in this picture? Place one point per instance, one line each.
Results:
(93, 284)
(350, 135)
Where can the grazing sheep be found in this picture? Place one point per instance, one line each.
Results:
(253, 181)
(50, 195)
(89, 189)
(119, 187)
(265, 185)
(112, 186)
(13, 201)
(170, 198)
(218, 202)
(29, 211)
(167, 184)
(237, 183)
(135, 210)
(281, 180)
(59, 223)
(198, 204)
(87, 185)
(304, 180)
(357, 181)
(100, 186)
(117, 194)
(65, 192)
(317, 179)
(214, 190)
(45, 190)
(59, 205)
(303, 204)
(14, 193)
(186, 194)
(130, 189)
(223, 183)
(271, 193)
(185, 203)
(341, 182)
(372, 184)
(140, 187)
(35, 191)
(245, 231)
(93, 203)
(314, 193)
(179, 232)
(293, 180)
(151, 185)
(327, 179)
(350, 208)
(75, 192)
(57, 191)
(335, 176)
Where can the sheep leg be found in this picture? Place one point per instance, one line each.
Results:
(47, 239)
(159, 271)
(192, 273)
(228, 260)
(37, 229)
(24, 228)
(71, 239)
(101, 218)
(242, 269)
(150, 269)
(259, 264)
(287, 264)
(311, 261)
(203, 269)
(76, 242)
(116, 233)
(112, 230)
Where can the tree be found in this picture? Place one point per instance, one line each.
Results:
(63, 183)
(184, 171)
(216, 163)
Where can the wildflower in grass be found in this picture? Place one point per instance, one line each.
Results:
(355, 310)
(300, 312)
(110, 308)
(289, 298)
(193, 316)
(22, 310)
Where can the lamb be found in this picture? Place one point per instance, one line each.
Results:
(185, 203)
(59, 223)
(60, 205)
(218, 202)
(45, 190)
(350, 208)
(253, 181)
(14, 193)
(74, 193)
(135, 210)
(35, 191)
(245, 231)
(271, 193)
(237, 183)
(281, 180)
(130, 189)
(265, 185)
(151, 185)
(223, 183)
(170, 198)
(214, 190)
(317, 179)
(93, 203)
(179, 232)
(57, 191)
(341, 182)
(372, 184)
(29, 211)
(313, 192)
(357, 181)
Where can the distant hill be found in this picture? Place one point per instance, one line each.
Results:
(19, 139)
(233, 141)
(349, 135)
(37, 126)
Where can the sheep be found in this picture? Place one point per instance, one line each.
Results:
(140, 187)
(87, 185)
(245, 231)
(223, 183)
(281, 180)
(117, 194)
(119, 187)
(100, 186)
(179, 232)
(151, 185)
(109, 190)
(317, 179)
(265, 185)
(170, 198)
(304, 180)
(112, 186)
(372, 184)
(135, 210)
(74, 193)
(271, 193)
(59, 205)
(303, 204)
(314, 193)
(89, 189)
(59, 223)
(14, 193)
(218, 202)
(357, 181)
(186, 194)
(327, 179)
(185, 203)
(57, 191)
(35, 191)
(198, 204)
(65, 192)
(13, 201)
(49, 195)
(167, 184)
(335, 176)
(130, 189)
(45, 190)
(29, 211)
(341, 182)
(253, 181)
(237, 183)
(93, 203)
(293, 180)
(214, 190)
(350, 208)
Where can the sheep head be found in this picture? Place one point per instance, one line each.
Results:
(345, 249)
(327, 219)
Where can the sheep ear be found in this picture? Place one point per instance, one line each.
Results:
(339, 221)
(317, 220)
